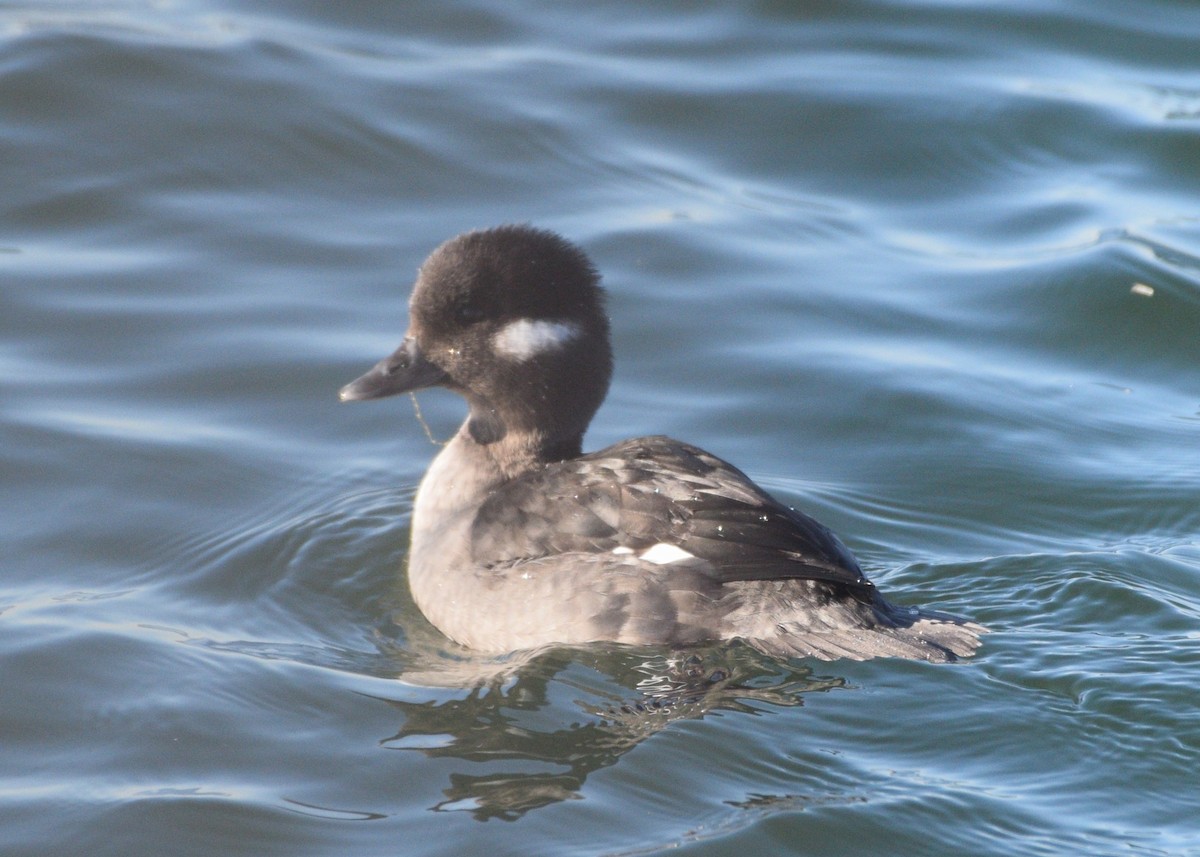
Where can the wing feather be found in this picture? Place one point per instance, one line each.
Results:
(651, 490)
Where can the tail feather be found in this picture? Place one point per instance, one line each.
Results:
(900, 633)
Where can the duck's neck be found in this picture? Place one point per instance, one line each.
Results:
(465, 472)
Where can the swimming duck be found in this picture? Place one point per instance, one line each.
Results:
(520, 540)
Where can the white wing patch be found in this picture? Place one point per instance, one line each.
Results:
(663, 553)
(525, 338)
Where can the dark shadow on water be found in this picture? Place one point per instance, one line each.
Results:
(543, 723)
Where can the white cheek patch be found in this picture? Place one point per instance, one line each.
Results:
(525, 338)
(662, 553)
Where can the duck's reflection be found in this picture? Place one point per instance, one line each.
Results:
(541, 724)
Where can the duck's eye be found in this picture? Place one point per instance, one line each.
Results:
(466, 314)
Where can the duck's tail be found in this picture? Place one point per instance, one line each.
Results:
(888, 632)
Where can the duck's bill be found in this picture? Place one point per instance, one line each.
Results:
(402, 371)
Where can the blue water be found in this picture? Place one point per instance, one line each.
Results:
(928, 270)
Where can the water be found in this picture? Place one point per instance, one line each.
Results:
(930, 271)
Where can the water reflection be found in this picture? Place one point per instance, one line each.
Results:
(538, 728)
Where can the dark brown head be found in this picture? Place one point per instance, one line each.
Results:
(512, 319)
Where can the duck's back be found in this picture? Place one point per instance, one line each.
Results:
(667, 501)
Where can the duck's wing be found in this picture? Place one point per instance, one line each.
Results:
(665, 501)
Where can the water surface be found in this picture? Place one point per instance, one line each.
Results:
(930, 271)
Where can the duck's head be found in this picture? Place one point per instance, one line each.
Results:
(512, 319)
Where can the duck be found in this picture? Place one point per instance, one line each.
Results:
(520, 540)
